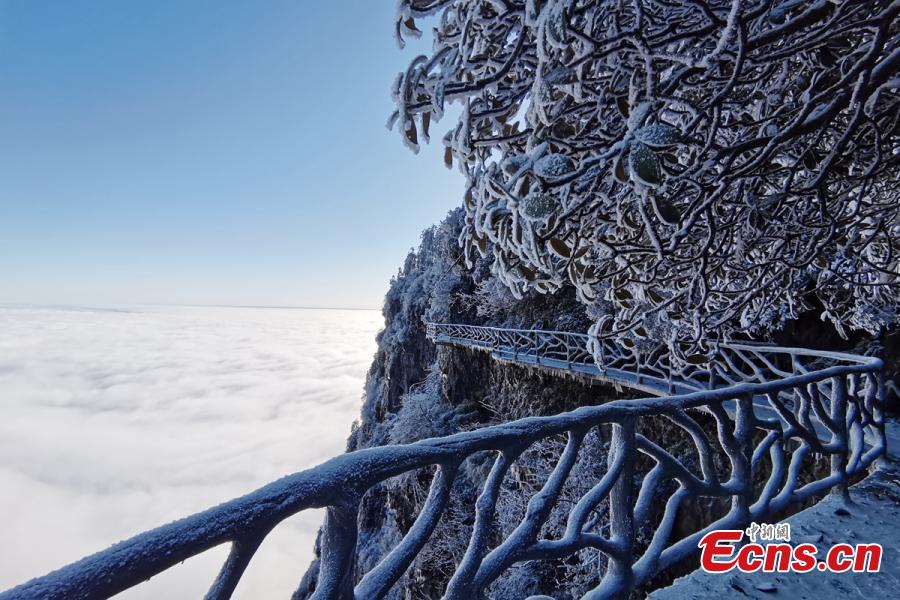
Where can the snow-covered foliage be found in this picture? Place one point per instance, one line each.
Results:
(424, 288)
(425, 413)
(692, 168)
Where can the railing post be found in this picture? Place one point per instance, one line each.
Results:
(744, 418)
(878, 412)
(242, 550)
(839, 435)
(619, 578)
(338, 552)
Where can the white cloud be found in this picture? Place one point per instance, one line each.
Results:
(114, 422)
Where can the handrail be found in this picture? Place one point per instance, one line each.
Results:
(603, 359)
(780, 403)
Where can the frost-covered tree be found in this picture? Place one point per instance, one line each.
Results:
(692, 167)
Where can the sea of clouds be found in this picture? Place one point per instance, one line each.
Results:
(116, 421)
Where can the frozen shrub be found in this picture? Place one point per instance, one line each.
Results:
(695, 168)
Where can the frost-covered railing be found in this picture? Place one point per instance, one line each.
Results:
(753, 421)
(649, 370)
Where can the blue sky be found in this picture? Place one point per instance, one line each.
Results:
(206, 151)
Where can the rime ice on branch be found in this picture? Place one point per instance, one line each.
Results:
(693, 168)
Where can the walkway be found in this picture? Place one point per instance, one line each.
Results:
(608, 362)
(871, 517)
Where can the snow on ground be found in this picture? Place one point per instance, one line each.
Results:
(117, 421)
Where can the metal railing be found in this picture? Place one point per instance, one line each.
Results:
(772, 408)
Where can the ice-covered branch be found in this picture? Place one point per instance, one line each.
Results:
(692, 168)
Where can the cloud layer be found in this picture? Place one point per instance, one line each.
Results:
(114, 422)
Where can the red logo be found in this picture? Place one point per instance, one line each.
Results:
(720, 552)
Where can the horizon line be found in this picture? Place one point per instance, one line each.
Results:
(278, 306)
(175, 304)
